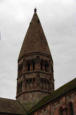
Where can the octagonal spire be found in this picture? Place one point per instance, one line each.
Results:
(35, 40)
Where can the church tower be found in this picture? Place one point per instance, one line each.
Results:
(35, 65)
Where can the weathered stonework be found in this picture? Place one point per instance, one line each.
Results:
(35, 65)
(64, 103)
(35, 81)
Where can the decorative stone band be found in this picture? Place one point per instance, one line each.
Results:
(35, 53)
(33, 91)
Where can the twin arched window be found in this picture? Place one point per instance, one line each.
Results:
(44, 83)
(29, 82)
(44, 66)
(29, 64)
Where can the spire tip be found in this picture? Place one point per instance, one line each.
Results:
(35, 10)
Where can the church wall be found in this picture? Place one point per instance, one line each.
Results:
(32, 96)
(65, 105)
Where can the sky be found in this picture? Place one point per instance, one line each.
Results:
(58, 19)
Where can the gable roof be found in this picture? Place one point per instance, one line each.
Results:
(35, 40)
(70, 86)
(11, 107)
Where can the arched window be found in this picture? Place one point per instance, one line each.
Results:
(71, 111)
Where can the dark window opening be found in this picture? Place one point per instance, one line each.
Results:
(38, 21)
(33, 79)
(28, 67)
(33, 66)
(20, 67)
(46, 67)
(61, 111)
(44, 82)
(29, 81)
(71, 108)
(19, 88)
(41, 66)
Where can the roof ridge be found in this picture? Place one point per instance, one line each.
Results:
(7, 99)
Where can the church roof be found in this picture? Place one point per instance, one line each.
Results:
(68, 87)
(11, 107)
(35, 40)
(16, 107)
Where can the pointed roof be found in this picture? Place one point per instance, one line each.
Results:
(35, 40)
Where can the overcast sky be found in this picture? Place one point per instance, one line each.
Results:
(58, 19)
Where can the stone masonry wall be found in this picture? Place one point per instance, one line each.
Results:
(32, 96)
(66, 105)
